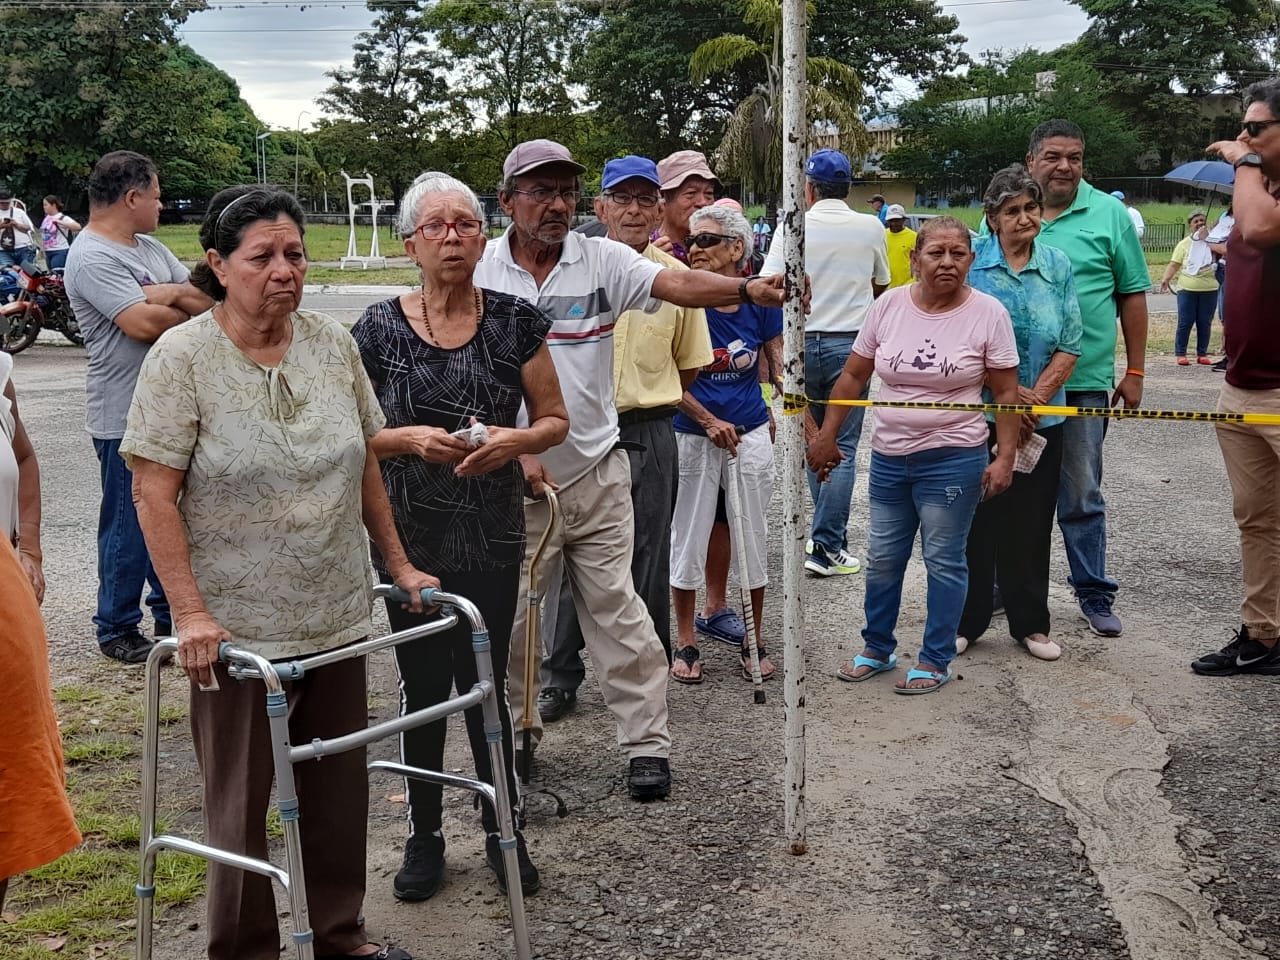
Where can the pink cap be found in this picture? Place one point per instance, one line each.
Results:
(538, 153)
(682, 165)
(729, 202)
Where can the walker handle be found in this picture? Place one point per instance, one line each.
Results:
(428, 596)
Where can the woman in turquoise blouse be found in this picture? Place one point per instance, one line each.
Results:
(1010, 537)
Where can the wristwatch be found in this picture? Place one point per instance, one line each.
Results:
(1248, 160)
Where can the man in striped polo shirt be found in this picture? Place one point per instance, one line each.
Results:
(848, 265)
(583, 284)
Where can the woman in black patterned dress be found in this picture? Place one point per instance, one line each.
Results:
(444, 357)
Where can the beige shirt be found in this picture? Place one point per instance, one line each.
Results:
(650, 349)
(274, 461)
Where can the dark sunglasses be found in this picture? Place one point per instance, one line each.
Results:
(1254, 128)
(706, 240)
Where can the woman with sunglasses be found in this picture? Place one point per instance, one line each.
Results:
(722, 416)
(448, 360)
(936, 340)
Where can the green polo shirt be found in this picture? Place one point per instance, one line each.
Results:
(1099, 239)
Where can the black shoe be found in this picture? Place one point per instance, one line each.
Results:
(529, 879)
(1220, 366)
(386, 953)
(423, 870)
(1242, 655)
(554, 703)
(164, 630)
(131, 647)
(649, 778)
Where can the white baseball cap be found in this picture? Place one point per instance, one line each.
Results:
(895, 212)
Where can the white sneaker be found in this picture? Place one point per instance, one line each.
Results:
(846, 562)
(1041, 647)
(962, 644)
(808, 547)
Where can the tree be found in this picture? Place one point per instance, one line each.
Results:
(389, 101)
(752, 146)
(85, 79)
(1160, 59)
(508, 59)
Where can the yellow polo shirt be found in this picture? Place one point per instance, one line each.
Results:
(650, 349)
(900, 245)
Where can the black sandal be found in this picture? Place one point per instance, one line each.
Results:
(761, 652)
(691, 657)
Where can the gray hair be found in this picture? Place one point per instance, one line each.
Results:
(731, 223)
(433, 181)
(1196, 213)
(1012, 181)
(1265, 91)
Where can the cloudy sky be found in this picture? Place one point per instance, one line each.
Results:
(279, 50)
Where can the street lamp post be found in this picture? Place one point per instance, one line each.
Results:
(262, 145)
(297, 140)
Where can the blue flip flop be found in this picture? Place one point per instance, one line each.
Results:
(724, 625)
(916, 674)
(877, 667)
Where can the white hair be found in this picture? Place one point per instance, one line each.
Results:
(431, 182)
(731, 223)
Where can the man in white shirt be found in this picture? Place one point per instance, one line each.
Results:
(1139, 225)
(16, 244)
(848, 265)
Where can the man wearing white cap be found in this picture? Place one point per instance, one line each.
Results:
(848, 266)
(583, 284)
(687, 184)
(900, 241)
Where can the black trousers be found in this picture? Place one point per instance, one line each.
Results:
(654, 479)
(431, 667)
(1009, 543)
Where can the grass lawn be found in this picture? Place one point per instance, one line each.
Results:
(325, 241)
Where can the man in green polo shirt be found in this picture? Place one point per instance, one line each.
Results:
(1094, 230)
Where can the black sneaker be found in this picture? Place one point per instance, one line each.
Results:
(554, 703)
(529, 879)
(1242, 655)
(131, 647)
(423, 870)
(164, 630)
(649, 778)
(1220, 366)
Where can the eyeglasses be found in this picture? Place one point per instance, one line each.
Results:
(1254, 128)
(546, 195)
(626, 199)
(439, 229)
(706, 240)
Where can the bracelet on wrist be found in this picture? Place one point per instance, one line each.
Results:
(743, 295)
(1134, 373)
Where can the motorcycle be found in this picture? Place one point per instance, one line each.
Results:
(41, 301)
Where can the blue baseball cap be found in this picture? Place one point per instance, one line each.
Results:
(829, 166)
(1118, 194)
(624, 168)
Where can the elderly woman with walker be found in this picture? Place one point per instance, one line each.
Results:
(250, 439)
(934, 341)
(451, 365)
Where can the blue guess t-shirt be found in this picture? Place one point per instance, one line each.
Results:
(729, 386)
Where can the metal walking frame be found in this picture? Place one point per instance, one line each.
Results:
(244, 665)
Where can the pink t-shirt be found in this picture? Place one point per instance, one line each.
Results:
(934, 357)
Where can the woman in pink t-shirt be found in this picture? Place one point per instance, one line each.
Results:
(935, 341)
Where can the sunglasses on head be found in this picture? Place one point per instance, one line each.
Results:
(1254, 128)
(706, 240)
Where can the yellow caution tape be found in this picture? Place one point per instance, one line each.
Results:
(795, 403)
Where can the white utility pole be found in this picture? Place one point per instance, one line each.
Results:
(795, 489)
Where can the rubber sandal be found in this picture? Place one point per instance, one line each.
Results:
(690, 655)
(917, 674)
(724, 625)
(1183, 361)
(761, 652)
(877, 667)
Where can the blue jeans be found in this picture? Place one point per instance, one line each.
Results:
(18, 257)
(1082, 513)
(1195, 308)
(124, 566)
(56, 259)
(936, 492)
(824, 358)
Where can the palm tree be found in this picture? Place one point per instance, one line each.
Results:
(751, 149)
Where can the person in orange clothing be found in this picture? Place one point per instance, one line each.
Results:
(36, 823)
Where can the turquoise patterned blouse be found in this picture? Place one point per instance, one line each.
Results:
(1041, 299)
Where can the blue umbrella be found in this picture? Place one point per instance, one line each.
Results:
(1212, 175)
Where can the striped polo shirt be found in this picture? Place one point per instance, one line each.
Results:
(595, 281)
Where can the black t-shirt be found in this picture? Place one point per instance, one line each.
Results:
(1251, 314)
(450, 523)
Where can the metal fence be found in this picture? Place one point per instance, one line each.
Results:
(1160, 237)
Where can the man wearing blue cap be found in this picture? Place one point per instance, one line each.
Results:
(1139, 225)
(847, 260)
(655, 358)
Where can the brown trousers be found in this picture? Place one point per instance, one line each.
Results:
(234, 751)
(1252, 458)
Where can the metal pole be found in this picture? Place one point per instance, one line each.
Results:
(297, 139)
(794, 492)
